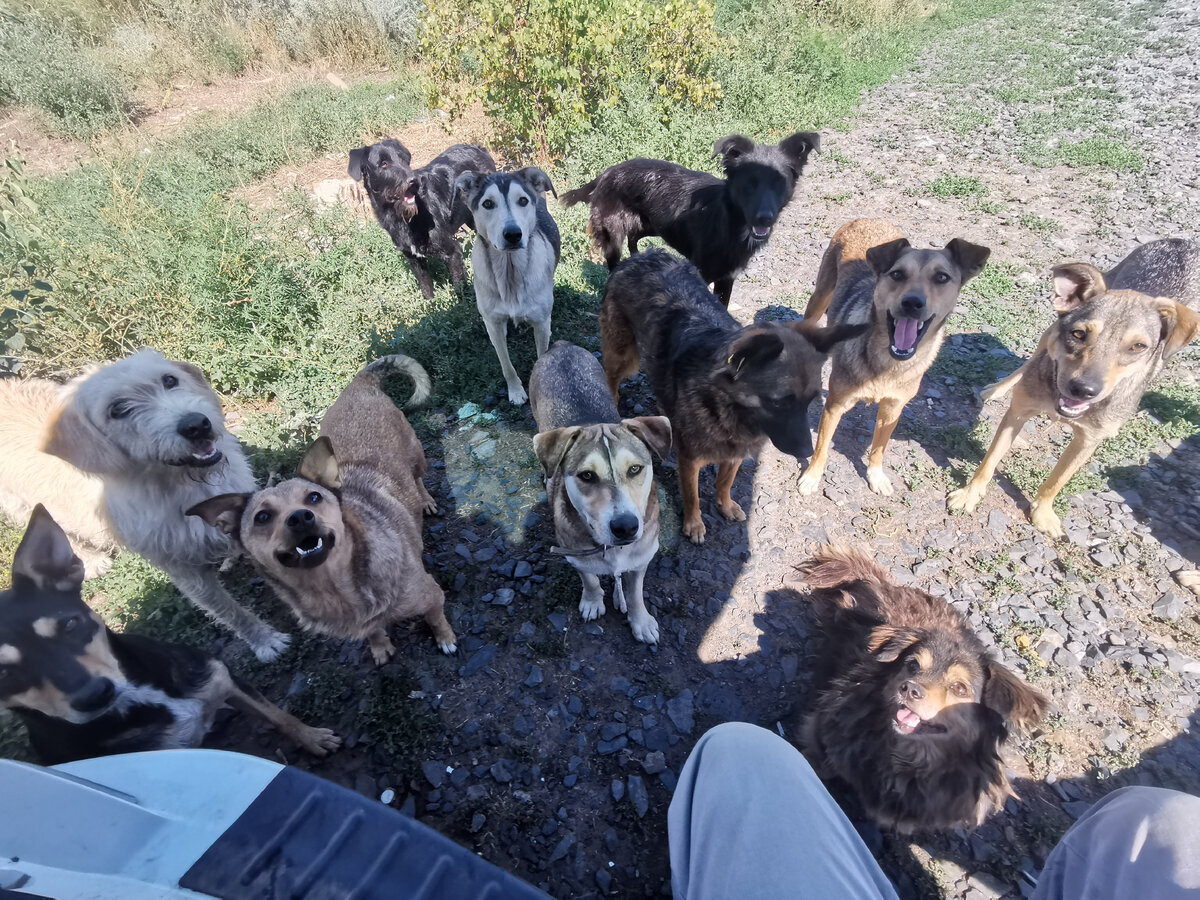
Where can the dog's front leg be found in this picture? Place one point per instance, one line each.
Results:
(541, 336)
(885, 423)
(421, 271)
(201, 586)
(967, 497)
(830, 417)
(723, 288)
(591, 604)
(689, 487)
(317, 741)
(726, 505)
(644, 625)
(497, 329)
(454, 258)
(1041, 511)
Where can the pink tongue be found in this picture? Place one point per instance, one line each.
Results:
(906, 333)
(409, 198)
(909, 719)
(1073, 404)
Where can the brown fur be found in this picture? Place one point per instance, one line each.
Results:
(1092, 365)
(869, 273)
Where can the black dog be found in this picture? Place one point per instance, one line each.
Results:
(416, 207)
(718, 225)
(85, 691)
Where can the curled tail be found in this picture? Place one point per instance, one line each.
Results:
(580, 194)
(399, 364)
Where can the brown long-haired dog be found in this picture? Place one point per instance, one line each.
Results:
(913, 710)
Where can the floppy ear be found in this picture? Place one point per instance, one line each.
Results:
(552, 446)
(968, 257)
(223, 511)
(730, 148)
(823, 339)
(1017, 702)
(753, 347)
(321, 465)
(886, 642)
(535, 179)
(358, 158)
(1075, 284)
(73, 437)
(45, 556)
(798, 146)
(653, 431)
(1180, 325)
(465, 184)
(883, 257)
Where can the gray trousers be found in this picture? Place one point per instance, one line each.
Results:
(750, 819)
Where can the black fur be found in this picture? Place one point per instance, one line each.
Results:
(416, 207)
(710, 221)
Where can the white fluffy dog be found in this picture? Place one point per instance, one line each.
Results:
(152, 432)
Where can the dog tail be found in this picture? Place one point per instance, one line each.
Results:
(580, 194)
(399, 364)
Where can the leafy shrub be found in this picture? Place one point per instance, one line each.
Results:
(20, 247)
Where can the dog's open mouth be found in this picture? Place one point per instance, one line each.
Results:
(908, 722)
(207, 456)
(760, 232)
(906, 334)
(1073, 408)
(308, 552)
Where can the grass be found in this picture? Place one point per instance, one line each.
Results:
(956, 186)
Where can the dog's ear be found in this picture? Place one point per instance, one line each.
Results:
(883, 257)
(968, 257)
(358, 159)
(886, 642)
(223, 511)
(823, 338)
(551, 447)
(797, 148)
(1017, 702)
(835, 565)
(1076, 283)
(753, 347)
(196, 374)
(401, 151)
(45, 556)
(72, 437)
(730, 148)
(653, 431)
(535, 179)
(1180, 325)
(465, 184)
(320, 464)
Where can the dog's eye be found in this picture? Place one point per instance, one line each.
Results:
(941, 278)
(69, 624)
(958, 689)
(120, 409)
(383, 165)
(586, 477)
(524, 201)
(897, 275)
(262, 517)
(1079, 334)
(313, 499)
(169, 381)
(635, 470)
(780, 402)
(488, 204)
(914, 666)
(1139, 346)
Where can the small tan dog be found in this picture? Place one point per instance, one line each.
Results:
(869, 273)
(341, 544)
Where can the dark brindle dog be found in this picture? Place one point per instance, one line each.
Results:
(85, 691)
(726, 389)
(717, 224)
(416, 207)
(1091, 367)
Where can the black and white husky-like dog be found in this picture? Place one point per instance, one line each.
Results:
(514, 257)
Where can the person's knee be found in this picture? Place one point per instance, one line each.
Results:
(1171, 811)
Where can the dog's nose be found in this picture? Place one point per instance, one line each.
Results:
(512, 236)
(624, 527)
(194, 427)
(300, 518)
(912, 691)
(913, 303)
(764, 218)
(1082, 389)
(97, 694)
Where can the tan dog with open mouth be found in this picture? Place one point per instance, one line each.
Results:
(600, 481)
(1091, 367)
(871, 274)
(341, 544)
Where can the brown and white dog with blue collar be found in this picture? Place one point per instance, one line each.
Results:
(599, 481)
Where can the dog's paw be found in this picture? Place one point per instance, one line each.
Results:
(965, 499)
(1045, 519)
(694, 530)
(879, 483)
(448, 647)
(731, 511)
(809, 482)
(645, 630)
(381, 648)
(319, 741)
(430, 508)
(270, 645)
(517, 395)
(591, 609)
(1190, 579)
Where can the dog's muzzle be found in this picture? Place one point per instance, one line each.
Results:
(307, 543)
(97, 695)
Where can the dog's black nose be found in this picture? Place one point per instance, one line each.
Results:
(1082, 389)
(194, 427)
(97, 694)
(512, 236)
(912, 691)
(301, 518)
(624, 527)
(913, 303)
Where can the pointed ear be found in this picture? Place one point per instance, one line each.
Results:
(358, 158)
(73, 437)
(753, 347)
(968, 257)
(653, 431)
(1180, 325)
(798, 147)
(883, 257)
(1075, 284)
(887, 642)
(321, 465)
(823, 339)
(45, 556)
(223, 511)
(1017, 702)
(535, 179)
(732, 147)
(551, 447)
(465, 184)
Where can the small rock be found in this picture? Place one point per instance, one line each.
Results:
(481, 658)
(1170, 606)
(477, 822)
(563, 847)
(534, 678)
(434, 772)
(618, 789)
(523, 570)
(501, 770)
(681, 711)
(655, 762)
(638, 795)
(603, 880)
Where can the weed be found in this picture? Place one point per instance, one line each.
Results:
(1103, 153)
(956, 186)
(400, 728)
(1038, 225)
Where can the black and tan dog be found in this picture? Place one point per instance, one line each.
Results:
(599, 480)
(870, 274)
(1091, 367)
(84, 691)
(725, 388)
(912, 709)
(717, 224)
(341, 544)
(417, 207)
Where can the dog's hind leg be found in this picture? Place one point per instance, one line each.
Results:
(726, 505)
(1041, 510)
(618, 348)
(497, 329)
(822, 293)
(435, 617)
(967, 497)
(645, 628)
(885, 423)
(201, 586)
(317, 741)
